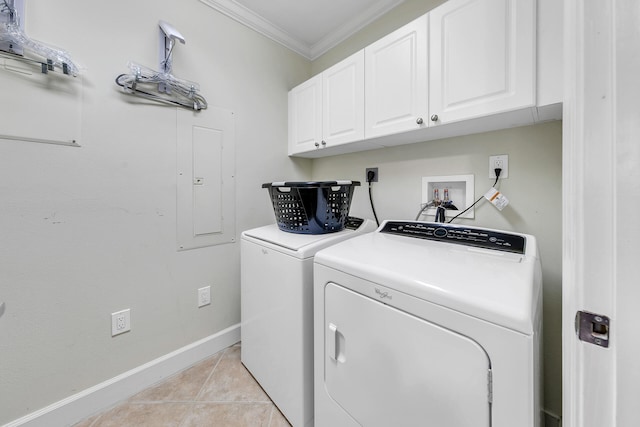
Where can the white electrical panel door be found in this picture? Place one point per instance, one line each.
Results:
(385, 367)
(206, 178)
(305, 116)
(396, 81)
(343, 101)
(482, 58)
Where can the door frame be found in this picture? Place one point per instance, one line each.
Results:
(601, 198)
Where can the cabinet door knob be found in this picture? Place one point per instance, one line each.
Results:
(324, 143)
(419, 120)
(317, 145)
(434, 118)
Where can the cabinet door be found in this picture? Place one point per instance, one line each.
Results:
(305, 116)
(343, 101)
(396, 81)
(482, 58)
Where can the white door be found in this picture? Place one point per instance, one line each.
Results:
(482, 58)
(396, 81)
(305, 116)
(384, 368)
(343, 101)
(601, 168)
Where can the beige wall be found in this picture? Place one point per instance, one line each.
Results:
(92, 230)
(534, 186)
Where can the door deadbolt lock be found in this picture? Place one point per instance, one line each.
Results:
(593, 328)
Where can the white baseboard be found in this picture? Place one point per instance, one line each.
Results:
(106, 394)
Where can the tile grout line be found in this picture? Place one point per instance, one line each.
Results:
(194, 400)
(199, 393)
(273, 408)
(96, 420)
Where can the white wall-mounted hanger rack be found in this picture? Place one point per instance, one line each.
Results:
(16, 49)
(162, 86)
(167, 39)
(70, 143)
(14, 41)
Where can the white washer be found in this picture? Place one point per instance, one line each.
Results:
(428, 324)
(277, 312)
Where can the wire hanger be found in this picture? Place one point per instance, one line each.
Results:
(162, 86)
(12, 34)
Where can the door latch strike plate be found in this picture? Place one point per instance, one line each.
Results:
(593, 328)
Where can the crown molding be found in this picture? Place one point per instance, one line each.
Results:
(257, 23)
(351, 27)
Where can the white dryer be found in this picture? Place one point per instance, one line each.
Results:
(428, 324)
(277, 312)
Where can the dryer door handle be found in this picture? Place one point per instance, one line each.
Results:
(336, 344)
(332, 345)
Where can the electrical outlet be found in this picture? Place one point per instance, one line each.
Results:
(375, 174)
(120, 322)
(204, 296)
(501, 162)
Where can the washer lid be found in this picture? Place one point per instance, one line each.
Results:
(500, 287)
(301, 245)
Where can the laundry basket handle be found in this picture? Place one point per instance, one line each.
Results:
(310, 184)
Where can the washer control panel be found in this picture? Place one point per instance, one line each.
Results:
(469, 236)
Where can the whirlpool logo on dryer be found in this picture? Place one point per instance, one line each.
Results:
(383, 294)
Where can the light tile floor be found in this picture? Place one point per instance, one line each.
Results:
(218, 391)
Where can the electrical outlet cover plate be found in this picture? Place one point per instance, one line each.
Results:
(204, 296)
(120, 322)
(366, 174)
(502, 162)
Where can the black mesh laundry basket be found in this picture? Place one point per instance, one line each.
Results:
(316, 207)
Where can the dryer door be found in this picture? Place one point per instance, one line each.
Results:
(385, 367)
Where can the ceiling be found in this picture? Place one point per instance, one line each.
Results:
(308, 27)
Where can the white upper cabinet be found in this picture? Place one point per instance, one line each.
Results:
(328, 110)
(467, 66)
(396, 84)
(305, 115)
(482, 58)
(343, 101)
